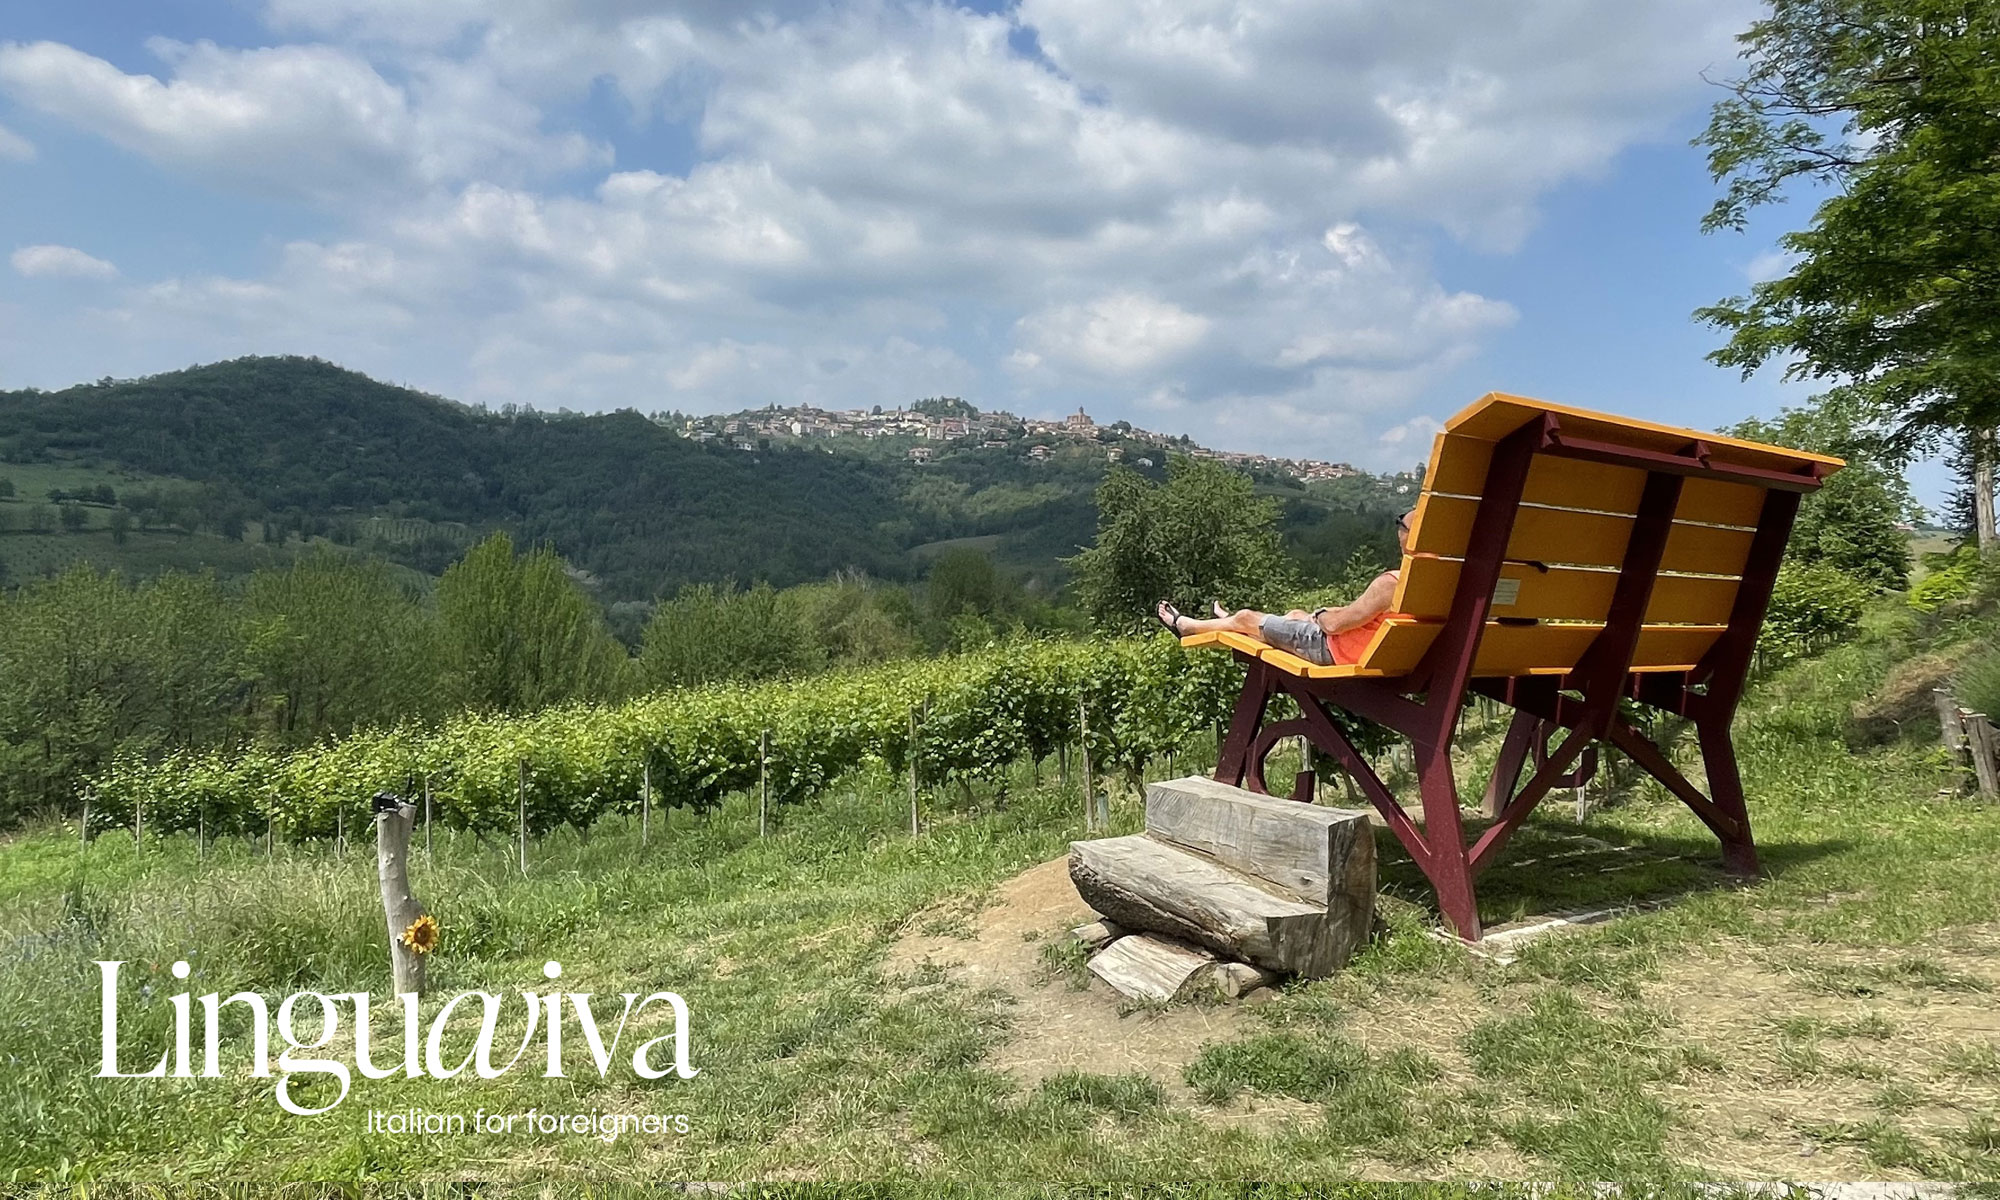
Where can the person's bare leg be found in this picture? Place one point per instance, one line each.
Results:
(1243, 620)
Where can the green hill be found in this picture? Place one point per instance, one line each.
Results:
(236, 465)
(225, 465)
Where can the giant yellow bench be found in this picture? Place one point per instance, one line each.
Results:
(1560, 560)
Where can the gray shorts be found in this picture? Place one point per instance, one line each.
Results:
(1303, 638)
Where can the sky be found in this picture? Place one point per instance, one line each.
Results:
(1307, 227)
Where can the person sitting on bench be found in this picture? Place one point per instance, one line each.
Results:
(1326, 636)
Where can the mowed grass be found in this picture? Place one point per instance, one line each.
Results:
(1829, 1020)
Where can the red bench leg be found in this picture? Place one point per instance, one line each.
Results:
(1449, 868)
(1725, 791)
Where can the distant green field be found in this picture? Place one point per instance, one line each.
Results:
(32, 481)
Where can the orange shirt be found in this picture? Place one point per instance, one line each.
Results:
(1348, 647)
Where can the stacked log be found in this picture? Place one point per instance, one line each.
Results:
(1227, 889)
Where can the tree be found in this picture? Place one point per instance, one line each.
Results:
(710, 632)
(73, 517)
(1850, 522)
(517, 633)
(1202, 535)
(338, 643)
(962, 580)
(6, 489)
(1895, 297)
(121, 525)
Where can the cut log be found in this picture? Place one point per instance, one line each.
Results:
(1325, 856)
(1236, 979)
(1097, 934)
(1142, 967)
(1147, 885)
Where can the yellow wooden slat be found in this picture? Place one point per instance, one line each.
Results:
(1554, 535)
(1459, 465)
(1497, 414)
(1538, 649)
(1503, 649)
(1426, 586)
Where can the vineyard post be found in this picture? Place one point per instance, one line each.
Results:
(521, 807)
(427, 818)
(339, 833)
(914, 826)
(138, 822)
(1083, 749)
(271, 834)
(645, 799)
(763, 781)
(201, 834)
(83, 826)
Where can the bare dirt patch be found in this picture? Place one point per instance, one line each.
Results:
(1057, 1026)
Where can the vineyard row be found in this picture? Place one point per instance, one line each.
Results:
(972, 717)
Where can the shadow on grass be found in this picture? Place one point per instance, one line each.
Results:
(1547, 869)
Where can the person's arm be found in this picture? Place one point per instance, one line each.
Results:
(1372, 602)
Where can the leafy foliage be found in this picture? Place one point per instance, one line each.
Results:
(1850, 522)
(1895, 296)
(1202, 535)
(975, 715)
(1813, 605)
(517, 633)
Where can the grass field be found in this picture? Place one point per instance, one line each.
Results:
(1836, 1019)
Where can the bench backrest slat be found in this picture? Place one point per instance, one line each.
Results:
(1458, 468)
(1566, 593)
(1443, 525)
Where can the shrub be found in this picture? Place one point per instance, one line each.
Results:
(1977, 684)
(1812, 606)
(1952, 576)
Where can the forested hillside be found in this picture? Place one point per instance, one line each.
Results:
(236, 465)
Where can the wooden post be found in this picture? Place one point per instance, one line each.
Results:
(201, 834)
(1953, 728)
(1985, 744)
(645, 799)
(400, 910)
(138, 823)
(271, 834)
(427, 818)
(83, 826)
(339, 834)
(521, 804)
(915, 826)
(763, 782)
(1089, 778)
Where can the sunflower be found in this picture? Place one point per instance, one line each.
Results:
(422, 935)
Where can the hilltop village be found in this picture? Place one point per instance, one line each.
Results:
(932, 428)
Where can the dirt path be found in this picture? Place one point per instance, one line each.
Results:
(1057, 1026)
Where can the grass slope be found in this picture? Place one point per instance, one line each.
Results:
(1834, 1020)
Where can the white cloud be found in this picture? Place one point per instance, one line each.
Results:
(312, 122)
(1120, 334)
(15, 147)
(1769, 265)
(60, 262)
(1218, 208)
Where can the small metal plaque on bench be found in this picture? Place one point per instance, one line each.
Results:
(1506, 592)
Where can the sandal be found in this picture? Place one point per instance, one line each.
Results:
(1172, 620)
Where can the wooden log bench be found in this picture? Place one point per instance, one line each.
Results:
(1559, 561)
(1287, 887)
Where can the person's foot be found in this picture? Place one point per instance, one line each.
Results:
(1221, 613)
(1170, 617)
